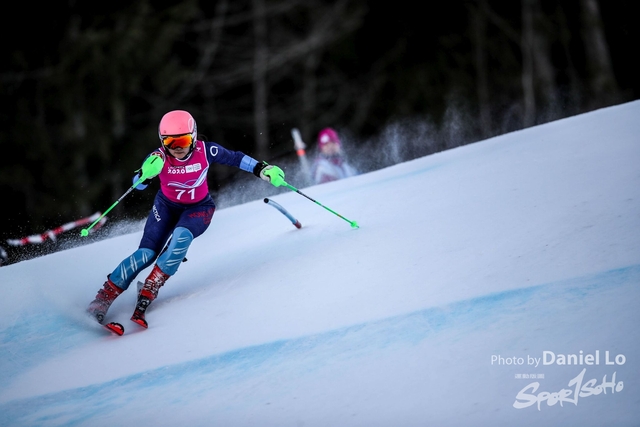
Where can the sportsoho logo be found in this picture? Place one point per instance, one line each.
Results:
(577, 387)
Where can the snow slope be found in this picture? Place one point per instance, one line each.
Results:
(475, 273)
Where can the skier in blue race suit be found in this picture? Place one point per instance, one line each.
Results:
(182, 209)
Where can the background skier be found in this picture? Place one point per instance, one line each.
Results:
(330, 164)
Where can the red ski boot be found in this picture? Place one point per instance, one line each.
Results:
(147, 294)
(98, 307)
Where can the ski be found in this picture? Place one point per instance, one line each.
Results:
(115, 327)
(140, 321)
(138, 318)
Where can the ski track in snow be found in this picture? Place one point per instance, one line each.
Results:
(306, 358)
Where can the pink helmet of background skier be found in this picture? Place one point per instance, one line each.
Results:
(328, 135)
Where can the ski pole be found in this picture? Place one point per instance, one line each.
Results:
(292, 188)
(149, 170)
(283, 211)
(85, 231)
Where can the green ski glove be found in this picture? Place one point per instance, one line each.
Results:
(152, 166)
(269, 173)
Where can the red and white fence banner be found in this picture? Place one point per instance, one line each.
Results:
(53, 233)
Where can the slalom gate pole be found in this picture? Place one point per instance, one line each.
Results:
(299, 146)
(292, 188)
(284, 212)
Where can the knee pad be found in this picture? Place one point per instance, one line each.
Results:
(129, 268)
(176, 250)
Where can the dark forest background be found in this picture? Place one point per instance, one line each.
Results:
(84, 85)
